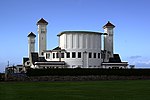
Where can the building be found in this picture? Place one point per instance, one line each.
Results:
(76, 49)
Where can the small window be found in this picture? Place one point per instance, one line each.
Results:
(57, 55)
(28, 63)
(73, 66)
(68, 55)
(73, 55)
(98, 55)
(90, 55)
(47, 55)
(79, 54)
(90, 66)
(53, 55)
(94, 55)
(62, 55)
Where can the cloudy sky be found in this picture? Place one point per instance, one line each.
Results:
(131, 18)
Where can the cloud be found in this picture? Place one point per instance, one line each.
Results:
(139, 61)
(135, 57)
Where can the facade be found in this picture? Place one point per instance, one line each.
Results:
(76, 49)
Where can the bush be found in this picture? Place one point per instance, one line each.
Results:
(2, 76)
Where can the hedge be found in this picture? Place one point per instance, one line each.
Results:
(2, 76)
(85, 72)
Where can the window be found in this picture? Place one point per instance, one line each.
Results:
(73, 66)
(62, 55)
(90, 55)
(47, 55)
(42, 53)
(94, 55)
(28, 63)
(53, 55)
(98, 55)
(90, 66)
(57, 55)
(68, 55)
(73, 54)
(79, 54)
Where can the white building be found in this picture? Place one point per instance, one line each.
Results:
(76, 49)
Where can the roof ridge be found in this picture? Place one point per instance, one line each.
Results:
(109, 24)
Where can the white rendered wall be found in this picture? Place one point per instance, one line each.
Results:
(42, 41)
(81, 42)
(31, 45)
(108, 42)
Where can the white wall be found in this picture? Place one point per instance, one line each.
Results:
(81, 42)
(42, 40)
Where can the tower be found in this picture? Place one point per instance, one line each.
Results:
(42, 31)
(108, 40)
(31, 43)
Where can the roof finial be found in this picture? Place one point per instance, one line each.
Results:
(42, 21)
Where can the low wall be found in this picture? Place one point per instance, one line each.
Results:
(76, 78)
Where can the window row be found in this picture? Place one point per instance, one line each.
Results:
(74, 55)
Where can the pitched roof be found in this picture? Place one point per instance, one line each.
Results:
(109, 25)
(115, 59)
(42, 21)
(31, 34)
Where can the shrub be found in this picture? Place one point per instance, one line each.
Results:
(85, 72)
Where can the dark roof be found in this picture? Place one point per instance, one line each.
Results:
(109, 25)
(25, 60)
(42, 21)
(57, 48)
(42, 59)
(115, 59)
(34, 57)
(31, 34)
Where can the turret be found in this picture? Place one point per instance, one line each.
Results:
(108, 40)
(42, 31)
(31, 43)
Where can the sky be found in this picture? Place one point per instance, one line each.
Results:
(131, 18)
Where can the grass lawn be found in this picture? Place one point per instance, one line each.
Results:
(95, 90)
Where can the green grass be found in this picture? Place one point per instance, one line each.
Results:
(95, 90)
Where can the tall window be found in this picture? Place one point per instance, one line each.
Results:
(47, 55)
(79, 54)
(53, 55)
(68, 55)
(73, 54)
(57, 55)
(98, 55)
(90, 55)
(62, 55)
(94, 55)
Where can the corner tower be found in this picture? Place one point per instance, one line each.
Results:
(31, 43)
(108, 40)
(42, 40)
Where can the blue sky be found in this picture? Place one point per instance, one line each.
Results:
(131, 18)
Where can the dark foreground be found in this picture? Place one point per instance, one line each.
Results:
(95, 90)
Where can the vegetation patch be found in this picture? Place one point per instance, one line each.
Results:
(88, 71)
(95, 90)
